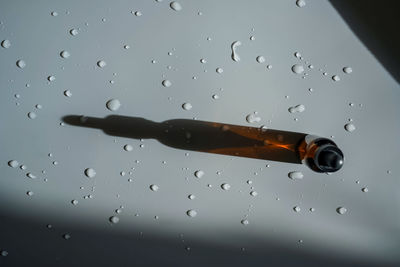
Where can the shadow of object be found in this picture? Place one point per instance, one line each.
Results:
(377, 27)
(203, 136)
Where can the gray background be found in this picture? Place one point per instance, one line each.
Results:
(368, 234)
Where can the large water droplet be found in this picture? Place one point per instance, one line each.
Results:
(347, 70)
(199, 173)
(191, 213)
(300, 3)
(13, 163)
(252, 118)
(154, 187)
(32, 115)
(226, 186)
(113, 104)
(89, 172)
(349, 127)
(341, 210)
(336, 78)
(297, 108)
(235, 56)
(128, 148)
(6, 43)
(21, 64)
(296, 175)
(175, 6)
(166, 83)
(101, 63)
(298, 69)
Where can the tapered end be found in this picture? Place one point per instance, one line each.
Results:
(329, 159)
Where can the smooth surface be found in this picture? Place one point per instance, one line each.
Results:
(366, 234)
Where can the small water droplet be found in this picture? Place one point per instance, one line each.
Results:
(90, 173)
(67, 93)
(226, 186)
(4, 253)
(341, 210)
(199, 173)
(347, 70)
(101, 63)
(21, 64)
(51, 78)
(295, 175)
(298, 108)
(73, 32)
(244, 222)
(65, 54)
(166, 83)
(219, 70)
(312, 209)
(365, 189)
(234, 46)
(32, 115)
(29, 193)
(74, 202)
(296, 209)
(260, 59)
(13, 163)
(203, 61)
(6, 43)
(113, 104)
(215, 96)
(175, 6)
(297, 54)
(128, 147)
(253, 118)
(54, 14)
(336, 78)
(191, 213)
(298, 69)
(252, 38)
(300, 3)
(154, 187)
(66, 236)
(253, 193)
(349, 127)
(138, 13)
(191, 197)
(187, 106)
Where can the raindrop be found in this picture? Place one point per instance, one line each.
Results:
(336, 78)
(297, 108)
(127, 46)
(253, 193)
(295, 175)
(128, 148)
(67, 93)
(226, 186)
(260, 59)
(296, 209)
(347, 70)
(54, 14)
(235, 56)
(74, 202)
(341, 210)
(13, 163)
(349, 127)
(29, 193)
(6, 43)
(365, 189)
(138, 13)
(65, 54)
(300, 3)
(101, 63)
(90, 173)
(203, 61)
(21, 64)
(215, 96)
(297, 54)
(252, 38)
(73, 32)
(253, 118)
(219, 70)
(199, 173)
(51, 78)
(244, 222)
(187, 106)
(113, 104)
(154, 187)
(31, 115)
(191, 213)
(298, 69)
(175, 6)
(312, 209)
(191, 197)
(166, 83)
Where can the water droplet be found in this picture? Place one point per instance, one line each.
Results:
(166, 83)
(347, 70)
(199, 173)
(138, 13)
(21, 64)
(244, 222)
(32, 115)
(226, 186)
(154, 187)
(191, 213)
(260, 59)
(65, 54)
(187, 106)
(13, 163)
(297, 54)
(349, 127)
(296, 175)
(114, 219)
(54, 14)
(29, 193)
(235, 56)
(252, 118)
(296, 209)
(6, 43)
(203, 61)
(73, 32)
(101, 63)
(336, 78)
(90, 173)
(252, 38)
(113, 104)
(297, 108)
(253, 193)
(127, 46)
(66, 236)
(298, 69)
(175, 6)
(300, 3)
(128, 148)
(312, 209)
(191, 197)
(67, 93)
(219, 70)
(51, 78)
(215, 96)
(74, 202)
(365, 189)
(341, 210)
(4, 253)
